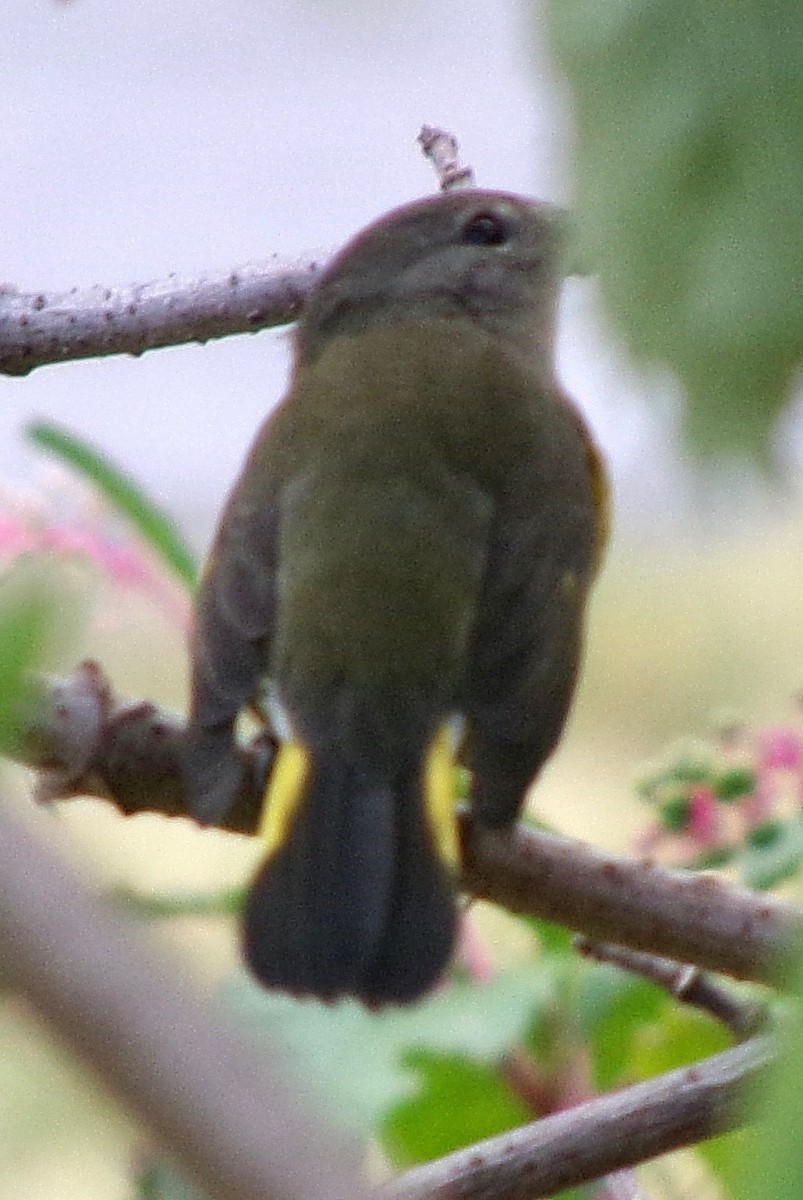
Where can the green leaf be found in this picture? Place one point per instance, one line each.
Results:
(775, 1168)
(689, 177)
(32, 607)
(674, 813)
(690, 769)
(323, 1043)
(123, 494)
(682, 1036)
(713, 859)
(686, 768)
(613, 1008)
(734, 784)
(775, 854)
(727, 1155)
(161, 1181)
(766, 835)
(168, 905)
(555, 941)
(459, 1102)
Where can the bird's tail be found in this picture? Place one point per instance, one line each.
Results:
(356, 894)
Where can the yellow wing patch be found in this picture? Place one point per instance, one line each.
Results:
(440, 796)
(283, 794)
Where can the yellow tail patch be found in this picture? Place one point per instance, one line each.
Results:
(283, 794)
(289, 773)
(440, 795)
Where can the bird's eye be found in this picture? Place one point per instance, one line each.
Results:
(485, 229)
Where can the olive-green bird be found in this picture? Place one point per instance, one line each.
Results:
(398, 583)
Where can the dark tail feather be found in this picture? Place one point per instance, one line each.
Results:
(354, 901)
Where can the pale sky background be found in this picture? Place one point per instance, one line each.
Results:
(187, 135)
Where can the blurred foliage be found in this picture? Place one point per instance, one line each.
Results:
(690, 176)
(35, 611)
(160, 1181)
(734, 802)
(123, 494)
(458, 1101)
(773, 1170)
(402, 1052)
(773, 854)
(476, 1058)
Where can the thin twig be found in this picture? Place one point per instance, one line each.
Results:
(85, 742)
(741, 1015)
(596, 1138)
(43, 327)
(442, 150)
(534, 1086)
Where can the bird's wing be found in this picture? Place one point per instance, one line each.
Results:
(524, 657)
(230, 647)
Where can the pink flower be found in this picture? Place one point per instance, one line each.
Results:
(704, 824)
(94, 535)
(16, 537)
(759, 806)
(780, 749)
(472, 952)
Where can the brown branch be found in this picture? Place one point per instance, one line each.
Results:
(601, 1136)
(85, 742)
(692, 917)
(216, 1102)
(41, 328)
(37, 328)
(741, 1015)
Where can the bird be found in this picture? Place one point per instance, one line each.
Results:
(398, 585)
